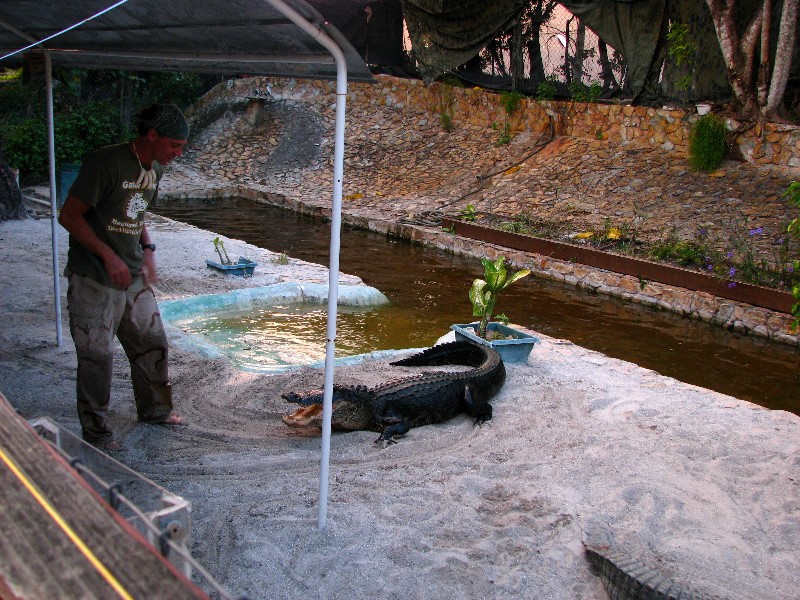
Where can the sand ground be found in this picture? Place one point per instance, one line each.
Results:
(703, 487)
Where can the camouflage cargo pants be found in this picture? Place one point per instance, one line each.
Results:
(97, 314)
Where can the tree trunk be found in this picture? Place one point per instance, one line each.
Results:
(759, 96)
(534, 47)
(607, 73)
(783, 59)
(517, 57)
(762, 84)
(11, 206)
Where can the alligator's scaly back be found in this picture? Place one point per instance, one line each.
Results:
(453, 353)
(397, 405)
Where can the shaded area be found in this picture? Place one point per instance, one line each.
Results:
(428, 290)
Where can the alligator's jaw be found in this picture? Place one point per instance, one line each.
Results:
(305, 417)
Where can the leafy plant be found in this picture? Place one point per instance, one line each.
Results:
(504, 137)
(510, 101)
(484, 292)
(581, 92)
(546, 90)
(707, 143)
(446, 122)
(683, 50)
(793, 193)
(469, 214)
(219, 246)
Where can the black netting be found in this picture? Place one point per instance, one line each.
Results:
(448, 33)
(632, 28)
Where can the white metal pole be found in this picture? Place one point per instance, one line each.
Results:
(51, 149)
(336, 223)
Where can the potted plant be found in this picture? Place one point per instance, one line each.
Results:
(243, 268)
(512, 344)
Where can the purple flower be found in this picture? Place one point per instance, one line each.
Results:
(729, 255)
(710, 267)
(756, 231)
(732, 271)
(732, 284)
(780, 241)
(790, 269)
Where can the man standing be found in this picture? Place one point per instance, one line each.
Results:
(110, 267)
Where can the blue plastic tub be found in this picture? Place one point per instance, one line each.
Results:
(243, 268)
(514, 350)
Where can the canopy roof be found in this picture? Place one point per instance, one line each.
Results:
(244, 37)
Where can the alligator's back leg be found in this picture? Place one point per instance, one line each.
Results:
(480, 410)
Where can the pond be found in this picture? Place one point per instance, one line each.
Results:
(428, 293)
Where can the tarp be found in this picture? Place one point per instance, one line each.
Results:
(447, 33)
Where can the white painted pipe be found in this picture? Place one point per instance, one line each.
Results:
(51, 149)
(336, 224)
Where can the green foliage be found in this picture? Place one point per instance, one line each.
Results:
(87, 127)
(484, 292)
(793, 194)
(469, 214)
(681, 48)
(683, 51)
(580, 92)
(707, 143)
(91, 109)
(446, 122)
(510, 101)
(8, 75)
(683, 252)
(546, 90)
(504, 137)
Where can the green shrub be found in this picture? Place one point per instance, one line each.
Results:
(707, 143)
(546, 90)
(86, 128)
(510, 101)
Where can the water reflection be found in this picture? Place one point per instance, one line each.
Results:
(428, 290)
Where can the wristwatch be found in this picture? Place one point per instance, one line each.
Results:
(149, 246)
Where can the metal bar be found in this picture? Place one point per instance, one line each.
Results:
(336, 223)
(51, 149)
(70, 28)
(205, 57)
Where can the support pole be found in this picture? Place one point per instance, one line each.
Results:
(336, 224)
(51, 150)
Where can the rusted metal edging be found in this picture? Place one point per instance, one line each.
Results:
(626, 265)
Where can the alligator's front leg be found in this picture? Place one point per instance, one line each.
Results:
(481, 411)
(392, 432)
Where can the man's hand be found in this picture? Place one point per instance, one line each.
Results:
(117, 269)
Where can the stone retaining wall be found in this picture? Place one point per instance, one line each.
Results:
(767, 144)
(735, 316)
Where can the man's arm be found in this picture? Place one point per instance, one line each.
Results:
(73, 220)
(150, 275)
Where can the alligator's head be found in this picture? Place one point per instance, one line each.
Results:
(351, 409)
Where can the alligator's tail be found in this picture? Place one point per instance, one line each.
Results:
(624, 577)
(452, 353)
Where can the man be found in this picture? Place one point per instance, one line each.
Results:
(110, 267)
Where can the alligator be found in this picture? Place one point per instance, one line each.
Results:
(396, 406)
(624, 577)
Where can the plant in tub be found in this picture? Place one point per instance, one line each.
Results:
(484, 292)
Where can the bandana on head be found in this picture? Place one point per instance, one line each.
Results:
(167, 120)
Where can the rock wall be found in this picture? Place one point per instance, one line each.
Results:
(763, 144)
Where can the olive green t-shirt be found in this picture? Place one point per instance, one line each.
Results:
(107, 183)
